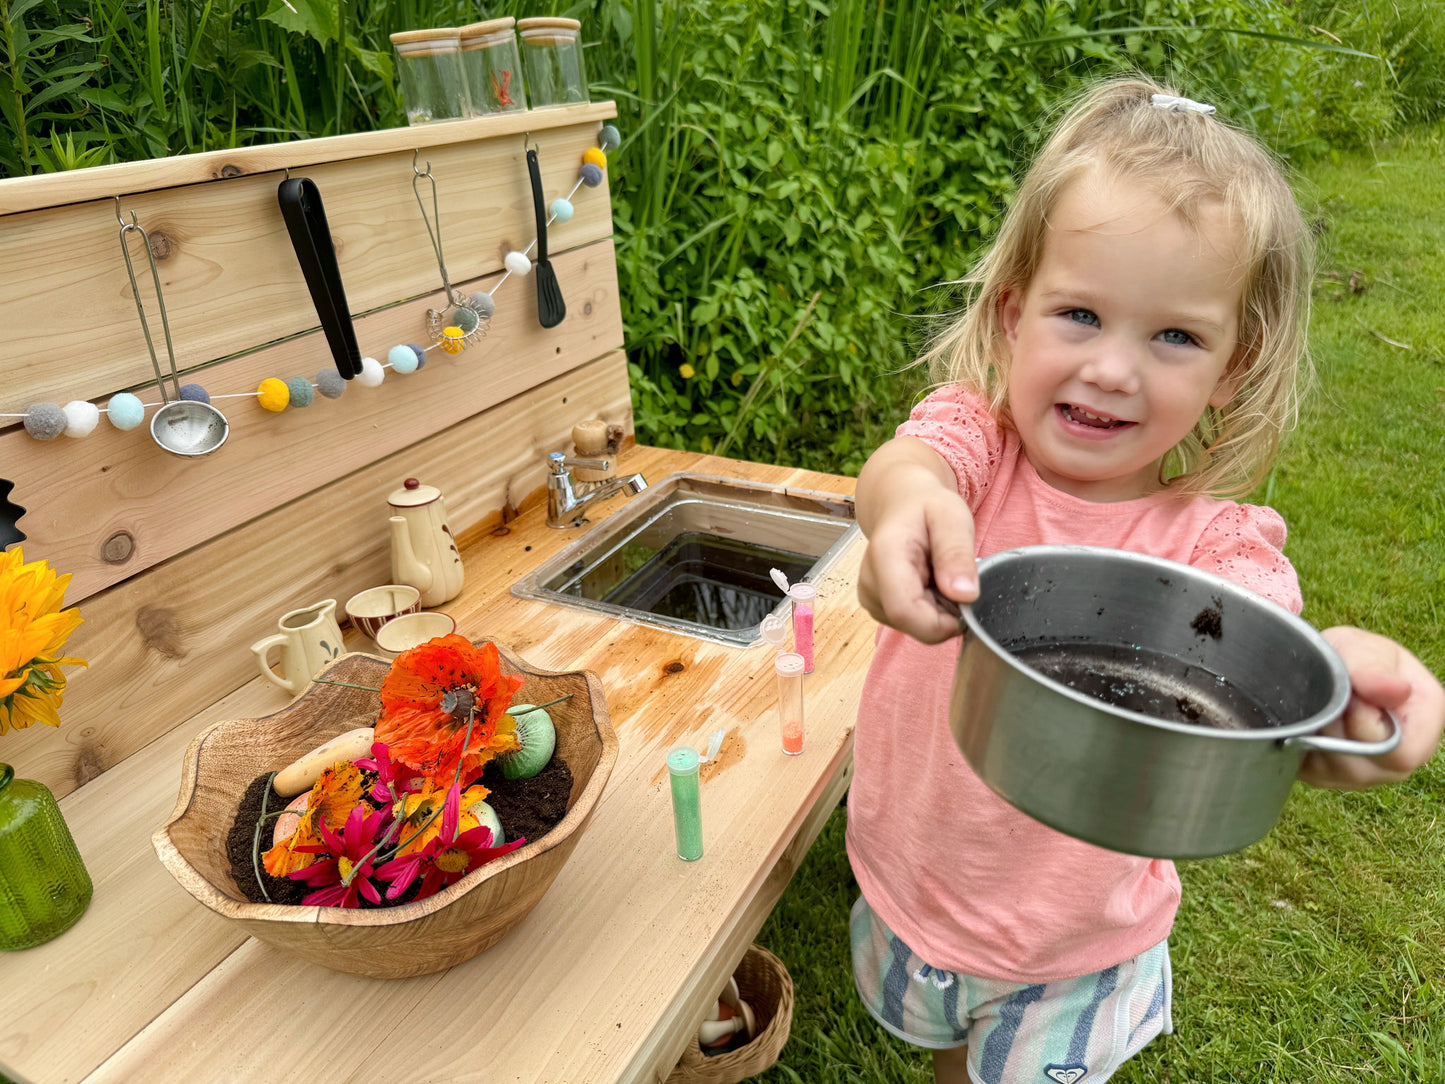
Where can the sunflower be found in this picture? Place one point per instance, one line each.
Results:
(430, 696)
(33, 628)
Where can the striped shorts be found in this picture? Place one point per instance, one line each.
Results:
(1065, 1032)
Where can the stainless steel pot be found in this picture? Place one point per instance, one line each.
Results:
(1166, 710)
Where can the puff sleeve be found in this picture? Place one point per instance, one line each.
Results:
(956, 423)
(1245, 543)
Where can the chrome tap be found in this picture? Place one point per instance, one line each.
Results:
(564, 505)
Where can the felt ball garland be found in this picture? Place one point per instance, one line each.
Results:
(125, 411)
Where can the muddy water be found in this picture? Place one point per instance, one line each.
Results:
(1148, 682)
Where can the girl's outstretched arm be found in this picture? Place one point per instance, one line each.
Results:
(1382, 675)
(919, 562)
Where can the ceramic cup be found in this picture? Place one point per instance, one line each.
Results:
(371, 609)
(409, 630)
(308, 640)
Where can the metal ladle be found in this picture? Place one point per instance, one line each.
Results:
(181, 426)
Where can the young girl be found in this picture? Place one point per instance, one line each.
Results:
(1130, 357)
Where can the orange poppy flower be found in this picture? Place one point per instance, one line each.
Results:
(427, 699)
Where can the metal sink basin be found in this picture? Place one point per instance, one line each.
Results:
(692, 555)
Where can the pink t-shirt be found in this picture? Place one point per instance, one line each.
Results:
(968, 882)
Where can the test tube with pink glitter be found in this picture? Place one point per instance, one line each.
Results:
(804, 599)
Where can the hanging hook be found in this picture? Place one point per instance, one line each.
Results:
(122, 221)
(419, 172)
(434, 234)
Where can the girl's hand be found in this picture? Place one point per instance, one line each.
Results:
(1382, 675)
(919, 564)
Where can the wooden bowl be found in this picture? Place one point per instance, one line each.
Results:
(417, 938)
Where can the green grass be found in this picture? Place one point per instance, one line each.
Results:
(1314, 956)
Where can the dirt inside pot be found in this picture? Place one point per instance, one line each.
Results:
(1149, 682)
(527, 808)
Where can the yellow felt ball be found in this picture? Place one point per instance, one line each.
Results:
(273, 394)
(595, 156)
(453, 340)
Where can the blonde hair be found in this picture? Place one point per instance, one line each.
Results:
(1188, 159)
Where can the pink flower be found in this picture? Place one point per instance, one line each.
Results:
(348, 870)
(447, 857)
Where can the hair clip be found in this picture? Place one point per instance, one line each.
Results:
(1179, 105)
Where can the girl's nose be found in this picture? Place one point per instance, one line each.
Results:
(1112, 366)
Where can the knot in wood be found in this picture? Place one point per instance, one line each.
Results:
(116, 549)
(161, 630)
(161, 243)
(674, 667)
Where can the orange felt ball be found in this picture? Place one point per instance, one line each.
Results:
(595, 156)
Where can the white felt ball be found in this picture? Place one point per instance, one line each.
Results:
(81, 418)
(371, 375)
(125, 411)
(517, 263)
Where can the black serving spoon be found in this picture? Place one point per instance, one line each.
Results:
(551, 309)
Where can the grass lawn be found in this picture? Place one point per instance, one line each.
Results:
(1316, 956)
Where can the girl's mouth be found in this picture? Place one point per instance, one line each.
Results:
(1080, 416)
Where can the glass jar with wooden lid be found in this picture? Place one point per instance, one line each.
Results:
(433, 85)
(494, 70)
(552, 60)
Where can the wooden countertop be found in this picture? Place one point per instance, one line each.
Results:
(603, 981)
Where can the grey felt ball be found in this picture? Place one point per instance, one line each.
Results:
(484, 304)
(591, 174)
(330, 384)
(44, 421)
(420, 354)
(194, 393)
(466, 319)
(609, 137)
(302, 393)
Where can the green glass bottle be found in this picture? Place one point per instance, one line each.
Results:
(44, 888)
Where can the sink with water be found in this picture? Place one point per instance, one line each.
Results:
(692, 554)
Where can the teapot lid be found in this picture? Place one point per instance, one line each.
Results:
(412, 494)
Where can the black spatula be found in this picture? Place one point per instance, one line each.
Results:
(551, 309)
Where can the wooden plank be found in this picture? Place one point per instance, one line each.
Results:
(101, 182)
(603, 980)
(230, 277)
(82, 492)
(165, 643)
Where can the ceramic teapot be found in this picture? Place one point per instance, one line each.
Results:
(423, 552)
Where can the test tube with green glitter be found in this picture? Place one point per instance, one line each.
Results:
(683, 762)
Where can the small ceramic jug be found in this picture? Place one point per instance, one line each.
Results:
(308, 640)
(423, 553)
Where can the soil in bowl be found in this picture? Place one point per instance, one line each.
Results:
(528, 809)
(1149, 682)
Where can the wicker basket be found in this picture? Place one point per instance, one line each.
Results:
(766, 985)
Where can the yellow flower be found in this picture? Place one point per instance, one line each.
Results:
(687, 371)
(33, 628)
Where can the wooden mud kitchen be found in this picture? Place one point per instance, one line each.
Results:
(182, 561)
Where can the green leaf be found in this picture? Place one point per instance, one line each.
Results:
(317, 19)
(103, 98)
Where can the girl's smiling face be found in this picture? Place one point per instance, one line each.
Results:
(1123, 337)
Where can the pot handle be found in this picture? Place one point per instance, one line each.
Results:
(1323, 743)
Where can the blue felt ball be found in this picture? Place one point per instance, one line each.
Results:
(561, 210)
(330, 384)
(466, 319)
(609, 137)
(591, 174)
(484, 304)
(45, 421)
(302, 393)
(194, 393)
(403, 359)
(420, 354)
(125, 411)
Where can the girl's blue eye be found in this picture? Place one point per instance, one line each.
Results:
(1175, 337)
(1083, 316)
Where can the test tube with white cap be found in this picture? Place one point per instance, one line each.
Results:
(804, 598)
(789, 668)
